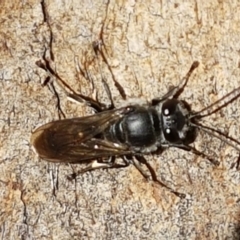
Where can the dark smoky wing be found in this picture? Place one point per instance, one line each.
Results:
(76, 140)
(91, 149)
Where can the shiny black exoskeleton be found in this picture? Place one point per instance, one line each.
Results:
(145, 129)
(128, 132)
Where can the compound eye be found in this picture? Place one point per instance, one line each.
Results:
(171, 135)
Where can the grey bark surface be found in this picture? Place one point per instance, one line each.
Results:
(150, 46)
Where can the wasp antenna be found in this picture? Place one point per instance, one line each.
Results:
(218, 134)
(215, 107)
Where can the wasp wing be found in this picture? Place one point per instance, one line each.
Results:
(77, 139)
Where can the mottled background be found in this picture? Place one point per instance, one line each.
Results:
(150, 46)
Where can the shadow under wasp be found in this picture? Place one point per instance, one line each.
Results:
(128, 132)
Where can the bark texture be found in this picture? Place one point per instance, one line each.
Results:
(150, 46)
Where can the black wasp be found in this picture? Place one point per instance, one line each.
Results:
(129, 132)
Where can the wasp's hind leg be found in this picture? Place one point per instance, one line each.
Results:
(100, 50)
(70, 93)
(97, 164)
(141, 159)
(95, 104)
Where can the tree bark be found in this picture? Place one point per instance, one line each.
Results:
(149, 47)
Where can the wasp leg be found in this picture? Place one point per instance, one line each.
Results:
(97, 47)
(70, 93)
(195, 151)
(109, 164)
(96, 105)
(97, 164)
(131, 159)
(109, 94)
(176, 91)
(141, 159)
